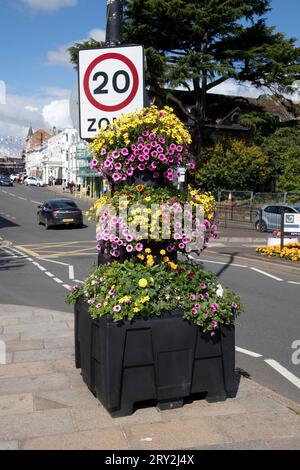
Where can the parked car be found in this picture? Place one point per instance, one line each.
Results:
(5, 181)
(271, 216)
(59, 212)
(33, 181)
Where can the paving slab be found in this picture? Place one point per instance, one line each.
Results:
(44, 403)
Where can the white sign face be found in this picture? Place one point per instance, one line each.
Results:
(292, 223)
(111, 83)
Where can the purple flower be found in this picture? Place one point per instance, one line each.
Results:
(98, 305)
(214, 307)
(107, 164)
(124, 152)
(192, 166)
(129, 248)
(214, 324)
(141, 166)
(181, 246)
(145, 133)
(117, 308)
(201, 297)
(103, 152)
(118, 166)
(115, 154)
(197, 306)
(139, 247)
(112, 291)
(202, 285)
(179, 148)
(194, 311)
(234, 305)
(192, 297)
(161, 140)
(116, 176)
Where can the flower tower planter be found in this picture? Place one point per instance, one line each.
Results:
(147, 326)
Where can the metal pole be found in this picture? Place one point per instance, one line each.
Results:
(114, 26)
(282, 230)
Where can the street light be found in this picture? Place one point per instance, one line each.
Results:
(114, 25)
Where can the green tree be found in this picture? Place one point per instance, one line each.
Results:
(289, 180)
(200, 44)
(283, 149)
(233, 164)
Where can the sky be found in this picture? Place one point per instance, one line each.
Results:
(36, 77)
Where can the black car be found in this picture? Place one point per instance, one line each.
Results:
(59, 212)
(5, 181)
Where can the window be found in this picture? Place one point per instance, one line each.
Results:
(273, 209)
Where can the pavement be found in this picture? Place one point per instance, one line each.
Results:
(44, 403)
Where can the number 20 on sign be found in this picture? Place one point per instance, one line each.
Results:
(111, 83)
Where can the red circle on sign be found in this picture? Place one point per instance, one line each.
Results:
(135, 76)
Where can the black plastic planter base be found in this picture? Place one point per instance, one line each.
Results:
(162, 358)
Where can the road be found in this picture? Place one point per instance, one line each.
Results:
(37, 266)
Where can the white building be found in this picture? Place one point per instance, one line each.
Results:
(56, 160)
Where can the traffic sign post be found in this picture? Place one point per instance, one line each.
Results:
(111, 83)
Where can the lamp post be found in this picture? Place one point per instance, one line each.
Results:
(114, 25)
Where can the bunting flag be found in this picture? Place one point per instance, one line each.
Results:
(11, 146)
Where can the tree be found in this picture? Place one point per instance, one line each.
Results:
(233, 164)
(200, 44)
(283, 149)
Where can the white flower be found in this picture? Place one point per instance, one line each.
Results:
(220, 291)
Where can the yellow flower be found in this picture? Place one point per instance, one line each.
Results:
(166, 259)
(124, 299)
(143, 282)
(136, 309)
(139, 256)
(140, 187)
(163, 252)
(148, 250)
(172, 265)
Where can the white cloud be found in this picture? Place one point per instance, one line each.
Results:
(56, 92)
(97, 34)
(49, 5)
(57, 114)
(62, 57)
(234, 88)
(31, 108)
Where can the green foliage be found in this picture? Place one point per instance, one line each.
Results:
(130, 289)
(289, 180)
(233, 164)
(261, 123)
(283, 149)
(74, 50)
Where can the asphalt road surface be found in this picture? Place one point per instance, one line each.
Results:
(36, 266)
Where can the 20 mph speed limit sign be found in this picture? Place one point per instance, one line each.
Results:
(111, 83)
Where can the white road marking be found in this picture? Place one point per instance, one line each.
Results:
(23, 198)
(49, 274)
(59, 281)
(42, 268)
(293, 282)
(8, 252)
(66, 286)
(71, 272)
(19, 252)
(8, 257)
(246, 351)
(79, 282)
(55, 262)
(11, 194)
(284, 372)
(267, 274)
(36, 202)
(219, 262)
